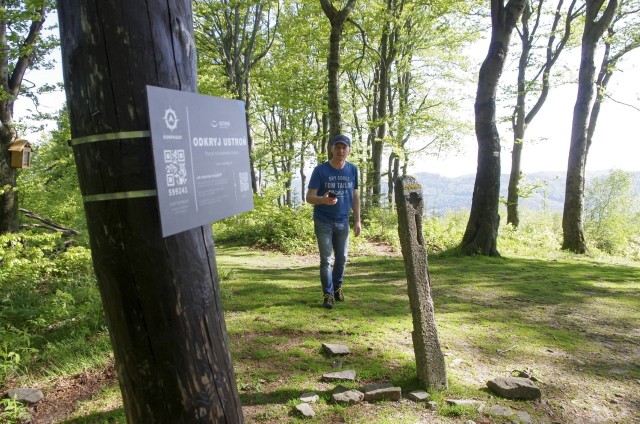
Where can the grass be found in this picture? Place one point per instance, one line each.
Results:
(571, 322)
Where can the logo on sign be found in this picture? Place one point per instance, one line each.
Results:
(170, 119)
(220, 124)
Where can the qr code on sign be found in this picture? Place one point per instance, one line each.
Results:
(244, 181)
(175, 167)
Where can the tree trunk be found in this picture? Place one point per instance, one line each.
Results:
(572, 217)
(337, 18)
(161, 295)
(11, 75)
(521, 118)
(482, 229)
(518, 124)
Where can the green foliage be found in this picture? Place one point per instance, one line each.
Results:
(13, 411)
(443, 234)
(50, 187)
(537, 232)
(269, 226)
(612, 215)
(381, 225)
(47, 294)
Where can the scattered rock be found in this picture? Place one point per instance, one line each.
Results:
(382, 391)
(527, 374)
(306, 410)
(335, 349)
(618, 371)
(419, 396)
(524, 417)
(26, 395)
(309, 397)
(469, 422)
(337, 364)
(346, 396)
(346, 375)
(504, 411)
(433, 405)
(514, 388)
(455, 362)
(464, 402)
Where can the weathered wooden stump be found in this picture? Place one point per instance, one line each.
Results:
(429, 359)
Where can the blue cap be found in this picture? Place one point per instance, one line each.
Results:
(340, 138)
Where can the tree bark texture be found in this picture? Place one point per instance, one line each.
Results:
(572, 217)
(482, 229)
(430, 365)
(160, 295)
(337, 18)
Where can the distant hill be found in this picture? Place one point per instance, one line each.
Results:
(442, 193)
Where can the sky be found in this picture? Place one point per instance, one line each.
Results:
(616, 143)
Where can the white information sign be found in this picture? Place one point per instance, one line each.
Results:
(201, 158)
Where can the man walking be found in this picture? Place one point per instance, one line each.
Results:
(333, 192)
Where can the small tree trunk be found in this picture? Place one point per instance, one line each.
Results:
(160, 295)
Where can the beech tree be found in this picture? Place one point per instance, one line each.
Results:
(481, 233)
(621, 38)
(160, 295)
(528, 31)
(598, 17)
(237, 35)
(337, 19)
(22, 47)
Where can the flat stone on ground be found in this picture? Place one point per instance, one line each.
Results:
(465, 402)
(306, 410)
(309, 397)
(335, 349)
(514, 388)
(344, 395)
(26, 395)
(419, 396)
(382, 391)
(346, 375)
(504, 411)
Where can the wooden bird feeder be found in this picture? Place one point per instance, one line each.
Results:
(20, 154)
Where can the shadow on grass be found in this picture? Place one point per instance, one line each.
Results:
(113, 416)
(548, 302)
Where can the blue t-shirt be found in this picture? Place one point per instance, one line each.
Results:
(342, 182)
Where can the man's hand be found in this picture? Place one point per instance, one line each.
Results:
(328, 200)
(357, 228)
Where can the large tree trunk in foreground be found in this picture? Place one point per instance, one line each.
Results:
(160, 295)
(572, 217)
(481, 234)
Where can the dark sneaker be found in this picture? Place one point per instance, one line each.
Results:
(339, 295)
(328, 301)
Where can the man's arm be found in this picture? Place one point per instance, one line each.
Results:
(313, 198)
(356, 212)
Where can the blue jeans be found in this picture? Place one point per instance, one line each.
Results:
(332, 236)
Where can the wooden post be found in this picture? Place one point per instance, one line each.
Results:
(430, 365)
(160, 295)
